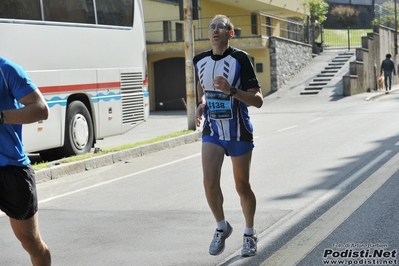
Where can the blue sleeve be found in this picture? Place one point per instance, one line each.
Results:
(18, 81)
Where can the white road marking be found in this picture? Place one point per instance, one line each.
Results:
(314, 120)
(287, 128)
(280, 228)
(302, 244)
(117, 179)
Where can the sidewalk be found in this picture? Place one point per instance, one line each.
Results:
(376, 94)
(158, 124)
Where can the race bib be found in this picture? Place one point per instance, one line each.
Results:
(219, 105)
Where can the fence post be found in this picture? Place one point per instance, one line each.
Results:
(309, 41)
(349, 38)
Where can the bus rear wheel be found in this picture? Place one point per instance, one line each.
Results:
(79, 136)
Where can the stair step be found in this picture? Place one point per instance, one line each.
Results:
(321, 79)
(340, 60)
(325, 75)
(333, 67)
(329, 71)
(313, 88)
(337, 64)
(317, 83)
(308, 92)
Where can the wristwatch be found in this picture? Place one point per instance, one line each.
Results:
(233, 91)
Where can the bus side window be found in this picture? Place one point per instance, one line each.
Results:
(20, 9)
(78, 16)
(69, 11)
(116, 13)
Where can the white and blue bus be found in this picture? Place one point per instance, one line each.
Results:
(88, 58)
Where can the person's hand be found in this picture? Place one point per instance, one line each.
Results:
(221, 84)
(198, 114)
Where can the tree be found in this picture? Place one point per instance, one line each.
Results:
(386, 15)
(317, 9)
(345, 15)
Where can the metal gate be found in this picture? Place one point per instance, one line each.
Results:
(342, 38)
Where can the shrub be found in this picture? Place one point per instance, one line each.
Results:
(345, 15)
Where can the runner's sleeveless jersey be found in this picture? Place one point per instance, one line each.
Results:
(226, 118)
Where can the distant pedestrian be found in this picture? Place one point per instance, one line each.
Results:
(388, 68)
(20, 103)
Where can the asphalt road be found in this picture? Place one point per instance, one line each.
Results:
(371, 230)
(324, 172)
(310, 154)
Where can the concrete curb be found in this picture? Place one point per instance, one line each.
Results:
(57, 171)
(379, 94)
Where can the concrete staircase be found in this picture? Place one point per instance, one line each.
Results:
(325, 76)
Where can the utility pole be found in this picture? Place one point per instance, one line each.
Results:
(189, 54)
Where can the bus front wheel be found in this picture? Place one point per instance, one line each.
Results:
(79, 136)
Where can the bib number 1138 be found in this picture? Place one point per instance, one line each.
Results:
(219, 104)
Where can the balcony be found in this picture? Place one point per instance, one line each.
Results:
(252, 32)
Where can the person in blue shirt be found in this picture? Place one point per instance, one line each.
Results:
(20, 103)
(226, 85)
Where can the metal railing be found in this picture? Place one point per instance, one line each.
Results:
(249, 25)
(342, 38)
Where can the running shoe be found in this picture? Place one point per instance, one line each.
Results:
(249, 246)
(217, 244)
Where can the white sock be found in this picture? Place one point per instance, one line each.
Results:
(249, 231)
(222, 225)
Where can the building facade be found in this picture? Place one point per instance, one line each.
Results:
(270, 31)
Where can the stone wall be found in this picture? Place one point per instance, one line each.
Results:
(287, 58)
(364, 72)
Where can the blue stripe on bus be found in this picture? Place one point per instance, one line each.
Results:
(96, 98)
(56, 100)
(106, 97)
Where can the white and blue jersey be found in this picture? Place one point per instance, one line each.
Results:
(226, 118)
(18, 85)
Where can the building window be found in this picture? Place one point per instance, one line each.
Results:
(179, 32)
(269, 26)
(254, 23)
(167, 31)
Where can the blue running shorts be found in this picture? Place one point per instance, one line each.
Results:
(232, 147)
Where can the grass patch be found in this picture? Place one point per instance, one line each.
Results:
(44, 165)
(40, 166)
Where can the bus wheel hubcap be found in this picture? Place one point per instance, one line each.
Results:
(80, 131)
